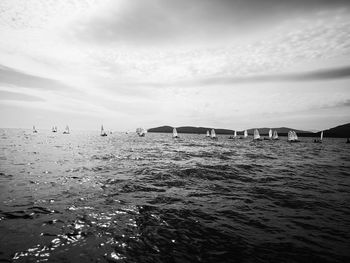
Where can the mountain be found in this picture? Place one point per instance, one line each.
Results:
(203, 130)
(341, 131)
(189, 129)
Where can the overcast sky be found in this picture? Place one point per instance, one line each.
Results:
(127, 63)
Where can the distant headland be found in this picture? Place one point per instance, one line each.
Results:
(341, 131)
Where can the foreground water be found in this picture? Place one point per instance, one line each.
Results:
(122, 198)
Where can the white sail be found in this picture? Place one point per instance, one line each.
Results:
(245, 134)
(208, 134)
(235, 134)
(270, 134)
(256, 134)
(66, 131)
(321, 135)
(34, 130)
(175, 133)
(275, 135)
(292, 136)
(295, 136)
(103, 133)
(213, 135)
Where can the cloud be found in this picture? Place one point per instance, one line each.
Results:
(10, 76)
(8, 95)
(325, 74)
(167, 21)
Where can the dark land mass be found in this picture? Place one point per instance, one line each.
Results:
(342, 131)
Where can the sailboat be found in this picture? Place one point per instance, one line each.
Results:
(141, 132)
(319, 140)
(175, 133)
(34, 130)
(270, 135)
(208, 134)
(275, 135)
(292, 136)
(66, 131)
(245, 134)
(256, 135)
(103, 133)
(213, 135)
(234, 135)
(54, 128)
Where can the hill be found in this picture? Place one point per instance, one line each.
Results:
(189, 129)
(341, 131)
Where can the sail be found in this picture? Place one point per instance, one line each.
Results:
(275, 135)
(256, 134)
(270, 133)
(174, 132)
(291, 136)
(235, 134)
(245, 134)
(295, 136)
(208, 134)
(67, 129)
(321, 135)
(213, 135)
(102, 129)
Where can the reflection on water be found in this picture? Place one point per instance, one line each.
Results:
(122, 198)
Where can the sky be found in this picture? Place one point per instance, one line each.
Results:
(233, 64)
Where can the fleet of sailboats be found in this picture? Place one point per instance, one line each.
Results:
(272, 135)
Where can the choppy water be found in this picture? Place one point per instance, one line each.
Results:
(121, 198)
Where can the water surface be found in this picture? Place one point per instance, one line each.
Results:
(121, 198)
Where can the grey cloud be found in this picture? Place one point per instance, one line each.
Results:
(146, 22)
(17, 78)
(8, 95)
(326, 74)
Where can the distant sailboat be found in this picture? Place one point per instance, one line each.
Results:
(245, 134)
(208, 134)
(292, 136)
(270, 134)
(213, 134)
(103, 133)
(34, 130)
(275, 135)
(234, 135)
(175, 135)
(321, 138)
(66, 131)
(54, 128)
(256, 135)
(141, 132)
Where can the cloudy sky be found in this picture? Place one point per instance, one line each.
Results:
(127, 63)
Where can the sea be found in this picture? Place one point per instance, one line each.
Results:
(81, 197)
